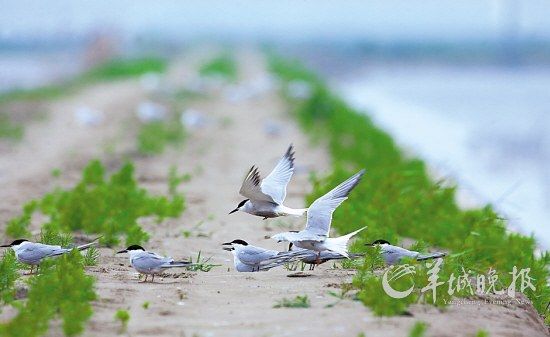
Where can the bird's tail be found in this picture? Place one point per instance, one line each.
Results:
(340, 244)
(175, 264)
(423, 257)
(88, 245)
(297, 211)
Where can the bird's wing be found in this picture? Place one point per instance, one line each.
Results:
(275, 183)
(255, 255)
(149, 260)
(38, 251)
(319, 215)
(251, 187)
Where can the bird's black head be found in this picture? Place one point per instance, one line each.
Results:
(15, 243)
(229, 245)
(241, 204)
(131, 248)
(378, 242)
(239, 242)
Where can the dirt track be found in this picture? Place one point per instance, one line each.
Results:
(221, 302)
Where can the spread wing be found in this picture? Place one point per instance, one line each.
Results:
(319, 215)
(273, 187)
(251, 188)
(275, 183)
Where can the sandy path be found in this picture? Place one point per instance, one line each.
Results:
(221, 302)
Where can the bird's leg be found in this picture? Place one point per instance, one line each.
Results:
(265, 218)
(153, 278)
(311, 266)
(318, 259)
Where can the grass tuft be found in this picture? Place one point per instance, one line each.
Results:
(61, 290)
(223, 66)
(297, 302)
(99, 205)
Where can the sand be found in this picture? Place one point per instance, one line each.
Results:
(221, 302)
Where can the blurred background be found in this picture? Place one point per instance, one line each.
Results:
(463, 84)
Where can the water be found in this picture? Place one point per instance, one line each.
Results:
(487, 128)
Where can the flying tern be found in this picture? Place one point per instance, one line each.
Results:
(393, 254)
(32, 253)
(319, 217)
(149, 263)
(248, 258)
(265, 197)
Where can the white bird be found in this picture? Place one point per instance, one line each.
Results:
(248, 258)
(32, 253)
(319, 217)
(313, 259)
(149, 263)
(393, 254)
(266, 197)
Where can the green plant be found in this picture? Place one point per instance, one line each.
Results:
(418, 329)
(62, 289)
(297, 302)
(482, 333)
(398, 198)
(9, 129)
(123, 316)
(8, 275)
(154, 136)
(223, 66)
(110, 207)
(110, 70)
(145, 305)
(201, 264)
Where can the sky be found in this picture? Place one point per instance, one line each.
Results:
(287, 19)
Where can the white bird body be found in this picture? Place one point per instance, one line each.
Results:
(248, 258)
(32, 253)
(149, 263)
(265, 197)
(319, 217)
(394, 254)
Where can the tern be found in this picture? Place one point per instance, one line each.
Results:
(319, 217)
(313, 260)
(393, 254)
(32, 253)
(265, 197)
(248, 258)
(149, 263)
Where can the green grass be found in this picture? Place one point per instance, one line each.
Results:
(297, 302)
(123, 316)
(154, 137)
(61, 290)
(201, 263)
(418, 329)
(223, 66)
(108, 71)
(110, 207)
(9, 129)
(397, 198)
(8, 275)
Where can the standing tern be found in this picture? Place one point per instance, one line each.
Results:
(393, 254)
(313, 259)
(248, 258)
(149, 263)
(265, 197)
(319, 217)
(32, 253)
